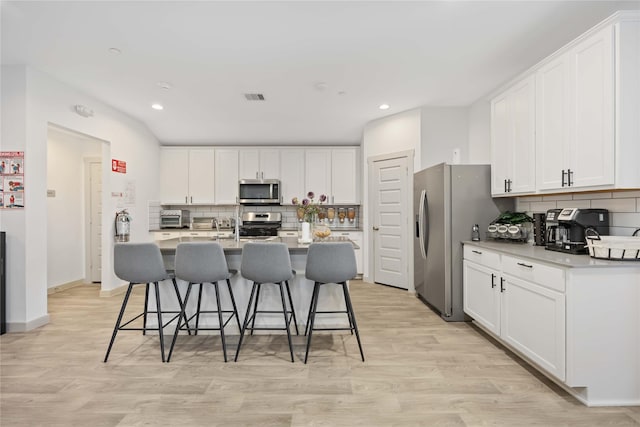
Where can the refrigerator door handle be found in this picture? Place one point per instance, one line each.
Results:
(423, 222)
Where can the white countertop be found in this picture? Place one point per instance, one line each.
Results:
(539, 253)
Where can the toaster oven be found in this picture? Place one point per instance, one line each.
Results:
(174, 218)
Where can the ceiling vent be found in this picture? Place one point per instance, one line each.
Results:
(254, 96)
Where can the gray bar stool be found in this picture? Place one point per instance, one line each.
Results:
(267, 263)
(141, 263)
(331, 263)
(198, 263)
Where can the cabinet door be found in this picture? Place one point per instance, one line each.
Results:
(356, 237)
(226, 176)
(522, 117)
(174, 176)
(591, 138)
(481, 294)
(345, 176)
(500, 147)
(533, 322)
(318, 172)
(201, 175)
(552, 123)
(270, 164)
(249, 164)
(292, 174)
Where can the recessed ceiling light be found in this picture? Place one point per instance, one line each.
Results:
(384, 106)
(157, 107)
(342, 92)
(115, 50)
(164, 85)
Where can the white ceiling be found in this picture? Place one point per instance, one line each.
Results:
(406, 54)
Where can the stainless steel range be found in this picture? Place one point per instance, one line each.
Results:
(260, 224)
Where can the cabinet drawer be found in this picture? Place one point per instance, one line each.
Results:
(542, 274)
(482, 256)
(287, 234)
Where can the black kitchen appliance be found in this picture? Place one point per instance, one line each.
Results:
(539, 229)
(566, 228)
(260, 224)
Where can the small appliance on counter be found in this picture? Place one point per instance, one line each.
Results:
(510, 226)
(566, 228)
(174, 218)
(539, 229)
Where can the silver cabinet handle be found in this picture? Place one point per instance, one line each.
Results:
(186, 199)
(191, 199)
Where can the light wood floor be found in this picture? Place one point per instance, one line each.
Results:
(419, 371)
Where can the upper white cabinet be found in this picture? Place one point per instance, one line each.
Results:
(226, 176)
(513, 139)
(186, 175)
(583, 103)
(335, 173)
(292, 161)
(575, 125)
(259, 164)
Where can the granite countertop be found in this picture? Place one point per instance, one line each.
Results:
(231, 247)
(539, 253)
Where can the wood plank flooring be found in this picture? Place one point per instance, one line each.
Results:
(419, 371)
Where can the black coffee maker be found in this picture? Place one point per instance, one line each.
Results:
(566, 227)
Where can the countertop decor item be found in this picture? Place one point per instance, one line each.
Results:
(511, 226)
(621, 248)
(308, 208)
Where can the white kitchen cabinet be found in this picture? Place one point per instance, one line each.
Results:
(481, 295)
(521, 302)
(345, 176)
(165, 235)
(317, 174)
(513, 139)
(575, 116)
(357, 238)
(259, 163)
(226, 176)
(186, 176)
(292, 174)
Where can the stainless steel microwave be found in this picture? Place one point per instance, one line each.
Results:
(259, 192)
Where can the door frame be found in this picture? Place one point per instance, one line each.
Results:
(369, 217)
(87, 216)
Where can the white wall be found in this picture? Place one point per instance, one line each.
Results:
(399, 132)
(443, 129)
(66, 211)
(30, 101)
(480, 132)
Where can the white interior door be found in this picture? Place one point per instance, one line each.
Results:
(95, 222)
(390, 222)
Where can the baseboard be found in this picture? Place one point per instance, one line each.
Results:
(64, 287)
(27, 326)
(113, 292)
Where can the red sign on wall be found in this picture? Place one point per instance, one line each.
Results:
(119, 166)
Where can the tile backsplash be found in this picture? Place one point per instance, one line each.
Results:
(623, 206)
(289, 217)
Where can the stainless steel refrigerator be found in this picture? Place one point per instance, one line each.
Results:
(448, 201)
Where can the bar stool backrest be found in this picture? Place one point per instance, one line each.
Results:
(266, 262)
(201, 262)
(138, 262)
(331, 262)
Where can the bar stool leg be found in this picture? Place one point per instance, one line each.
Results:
(246, 320)
(233, 303)
(352, 316)
(224, 346)
(146, 303)
(183, 307)
(286, 322)
(198, 310)
(293, 313)
(255, 308)
(312, 315)
(160, 328)
(117, 327)
(175, 286)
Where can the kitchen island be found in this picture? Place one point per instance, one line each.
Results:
(301, 289)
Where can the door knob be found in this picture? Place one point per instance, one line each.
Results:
(375, 228)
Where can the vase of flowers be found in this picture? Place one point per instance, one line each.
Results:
(307, 211)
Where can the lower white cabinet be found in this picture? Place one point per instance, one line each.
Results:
(506, 300)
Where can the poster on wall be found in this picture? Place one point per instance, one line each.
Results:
(11, 179)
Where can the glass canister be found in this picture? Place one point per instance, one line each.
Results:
(342, 214)
(331, 214)
(351, 214)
